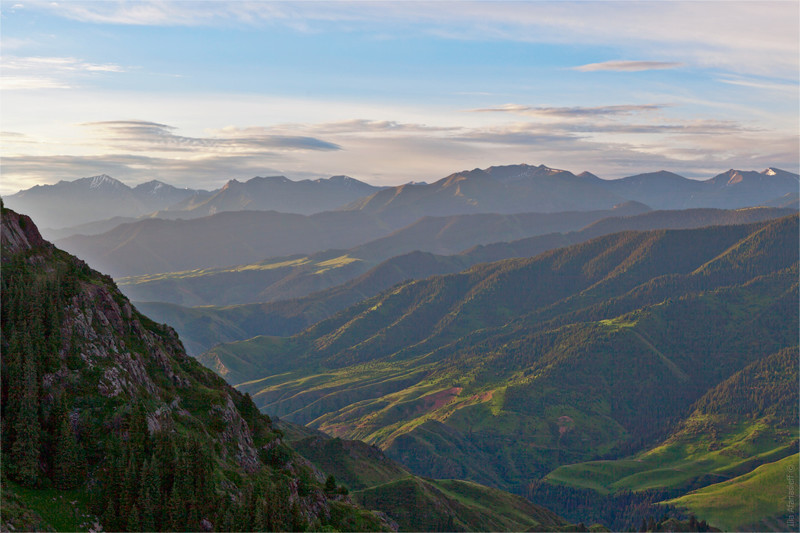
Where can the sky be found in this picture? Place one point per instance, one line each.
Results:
(197, 93)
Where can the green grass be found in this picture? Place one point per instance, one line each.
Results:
(419, 504)
(201, 272)
(54, 506)
(679, 464)
(336, 262)
(769, 491)
(618, 323)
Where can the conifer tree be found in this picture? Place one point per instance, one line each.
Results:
(68, 462)
(133, 523)
(149, 495)
(109, 518)
(26, 448)
(330, 484)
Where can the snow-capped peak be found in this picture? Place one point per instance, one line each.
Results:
(104, 180)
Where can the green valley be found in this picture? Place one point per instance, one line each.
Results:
(507, 371)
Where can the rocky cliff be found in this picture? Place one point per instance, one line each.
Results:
(103, 403)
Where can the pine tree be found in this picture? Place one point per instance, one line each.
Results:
(330, 484)
(176, 512)
(26, 448)
(149, 495)
(133, 523)
(109, 518)
(69, 462)
(261, 520)
(13, 388)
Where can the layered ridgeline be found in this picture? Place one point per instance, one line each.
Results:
(281, 278)
(230, 238)
(277, 193)
(149, 247)
(98, 204)
(108, 423)
(521, 188)
(204, 326)
(508, 370)
(79, 202)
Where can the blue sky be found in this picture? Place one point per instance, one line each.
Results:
(196, 93)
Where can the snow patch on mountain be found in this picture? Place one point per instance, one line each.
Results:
(104, 180)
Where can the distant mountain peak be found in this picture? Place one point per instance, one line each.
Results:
(103, 181)
(152, 187)
(230, 184)
(523, 171)
(272, 179)
(772, 171)
(632, 205)
(589, 175)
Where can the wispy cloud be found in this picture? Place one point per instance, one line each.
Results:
(761, 84)
(566, 112)
(50, 72)
(15, 137)
(628, 66)
(367, 127)
(201, 12)
(153, 136)
(755, 37)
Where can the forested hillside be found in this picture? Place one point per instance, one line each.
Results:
(103, 412)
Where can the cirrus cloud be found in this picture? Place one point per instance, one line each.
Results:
(566, 112)
(628, 66)
(25, 73)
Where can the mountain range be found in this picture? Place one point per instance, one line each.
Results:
(275, 193)
(504, 372)
(98, 204)
(203, 326)
(69, 203)
(526, 188)
(69, 207)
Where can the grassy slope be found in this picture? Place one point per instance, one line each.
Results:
(452, 505)
(747, 420)
(739, 444)
(45, 509)
(765, 497)
(521, 393)
(415, 503)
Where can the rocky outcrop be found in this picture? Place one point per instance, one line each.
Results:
(236, 436)
(19, 233)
